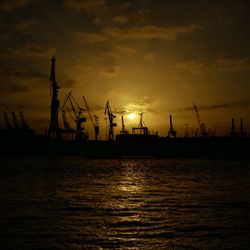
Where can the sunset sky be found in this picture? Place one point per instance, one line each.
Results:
(152, 56)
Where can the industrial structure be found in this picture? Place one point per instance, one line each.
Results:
(72, 138)
(110, 135)
(93, 118)
(124, 131)
(142, 128)
(202, 127)
(54, 131)
(172, 132)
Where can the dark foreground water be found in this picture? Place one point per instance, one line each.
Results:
(75, 203)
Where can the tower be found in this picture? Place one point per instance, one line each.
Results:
(54, 125)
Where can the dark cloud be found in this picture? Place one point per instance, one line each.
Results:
(229, 63)
(70, 83)
(19, 81)
(28, 51)
(86, 5)
(9, 5)
(148, 32)
(111, 71)
(90, 37)
(21, 26)
(231, 105)
(16, 88)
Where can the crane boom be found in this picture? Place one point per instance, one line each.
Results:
(77, 116)
(201, 125)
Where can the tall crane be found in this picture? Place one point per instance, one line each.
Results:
(7, 122)
(77, 116)
(201, 125)
(124, 131)
(15, 121)
(112, 124)
(172, 132)
(54, 125)
(93, 118)
(64, 116)
(24, 123)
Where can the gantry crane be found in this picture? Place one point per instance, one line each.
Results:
(112, 124)
(143, 129)
(93, 118)
(77, 116)
(201, 125)
(172, 132)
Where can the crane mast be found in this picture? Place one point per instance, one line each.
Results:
(201, 125)
(93, 118)
(54, 125)
(171, 132)
(7, 122)
(124, 131)
(24, 123)
(112, 124)
(15, 121)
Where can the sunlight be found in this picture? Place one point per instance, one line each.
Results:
(131, 116)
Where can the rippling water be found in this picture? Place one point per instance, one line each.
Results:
(77, 203)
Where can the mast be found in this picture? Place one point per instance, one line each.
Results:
(54, 125)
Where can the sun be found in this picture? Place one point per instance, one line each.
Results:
(131, 116)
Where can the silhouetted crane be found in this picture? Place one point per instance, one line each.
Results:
(77, 117)
(171, 132)
(93, 118)
(124, 131)
(201, 125)
(15, 121)
(143, 129)
(54, 125)
(112, 124)
(24, 123)
(6, 120)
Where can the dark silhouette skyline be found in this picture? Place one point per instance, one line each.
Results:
(157, 57)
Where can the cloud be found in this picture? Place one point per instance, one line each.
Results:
(17, 88)
(20, 80)
(229, 105)
(122, 19)
(9, 5)
(86, 5)
(194, 67)
(111, 71)
(232, 63)
(149, 56)
(90, 37)
(68, 83)
(149, 32)
(27, 51)
(137, 33)
(126, 50)
(21, 26)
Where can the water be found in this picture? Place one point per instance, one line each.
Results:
(77, 203)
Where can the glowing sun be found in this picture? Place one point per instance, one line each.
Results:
(131, 116)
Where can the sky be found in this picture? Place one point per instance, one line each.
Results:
(156, 57)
